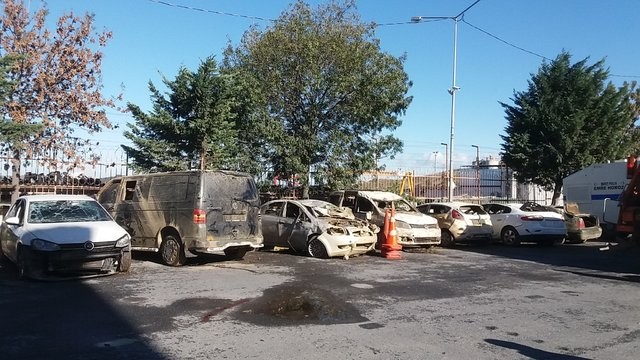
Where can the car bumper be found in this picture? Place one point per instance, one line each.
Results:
(418, 237)
(473, 233)
(75, 261)
(198, 246)
(585, 234)
(344, 245)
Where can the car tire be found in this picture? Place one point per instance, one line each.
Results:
(316, 248)
(235, 253)
(510, 236)
(23, 263)
(125, 261)
(447, 239)
(172, 251)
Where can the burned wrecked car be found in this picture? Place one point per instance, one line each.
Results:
(580, 226)
(317, 227)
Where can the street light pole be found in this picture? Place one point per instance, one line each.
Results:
(454, 88)
(445, 174)
(477, 171)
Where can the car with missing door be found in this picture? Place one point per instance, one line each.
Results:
(187, 212)
(460, 222)
(54, 234)
(316, 227)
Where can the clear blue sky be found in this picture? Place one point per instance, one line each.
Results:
(150, 39)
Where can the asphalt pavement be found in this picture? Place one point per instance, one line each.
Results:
(471, 302)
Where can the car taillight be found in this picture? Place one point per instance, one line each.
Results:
(581, 224)
(532, 218)
(199, 216)
(456, 215)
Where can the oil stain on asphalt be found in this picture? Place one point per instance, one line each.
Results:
(298, 303)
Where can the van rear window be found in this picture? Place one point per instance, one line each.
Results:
(239, 187)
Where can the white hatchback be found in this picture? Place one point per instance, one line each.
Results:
(43, 234)
(528, 222)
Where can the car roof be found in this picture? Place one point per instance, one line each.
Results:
(452, 204)
(55, 197)
(380, 195)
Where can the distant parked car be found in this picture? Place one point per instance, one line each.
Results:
(529, 222)
(63, 233)
(460, 222)
(580, 226)
(317, 227)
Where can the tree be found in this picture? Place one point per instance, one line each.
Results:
(56, 85)
(202, 118)
(331, 94)
(568, 119)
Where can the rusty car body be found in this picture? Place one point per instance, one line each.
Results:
(201, 212)
(581, 227)
(317, 227)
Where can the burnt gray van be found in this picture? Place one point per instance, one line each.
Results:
(200, 212)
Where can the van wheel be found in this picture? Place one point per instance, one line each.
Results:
(446, 239)
(125, 261)
(316, 249)
(172, 251)
(236, 253)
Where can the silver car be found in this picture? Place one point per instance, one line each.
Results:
(43, 234)
(317, 227)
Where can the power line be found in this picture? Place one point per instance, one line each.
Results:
(210, 11)
(529, 51)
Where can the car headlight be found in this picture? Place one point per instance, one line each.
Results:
(44, 245)
(123, 241)
(336, 231)
(402, 224)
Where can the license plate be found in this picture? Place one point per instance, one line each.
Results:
(235, 217)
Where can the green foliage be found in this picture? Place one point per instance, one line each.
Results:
(331, 94)
(568, 119)
(203, 121)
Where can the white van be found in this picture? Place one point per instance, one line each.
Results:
(414, 228)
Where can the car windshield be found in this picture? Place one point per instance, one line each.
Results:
(60, 211)
(329, 210)
(399, 205)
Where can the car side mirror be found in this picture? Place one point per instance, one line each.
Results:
(12, 220)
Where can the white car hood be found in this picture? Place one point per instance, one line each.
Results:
(77, 232)
(416, 218)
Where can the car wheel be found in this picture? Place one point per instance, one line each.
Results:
(510, 236)
(23, 263)
(125, 261)
(236, 253)
(316, 248)
(446, 239)
(172, 251)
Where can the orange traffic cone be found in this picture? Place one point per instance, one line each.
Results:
(390, 249)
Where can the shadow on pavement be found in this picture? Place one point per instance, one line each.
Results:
(64, 320)
(621, 258)
(533, 353)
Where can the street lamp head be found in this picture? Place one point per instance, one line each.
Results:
(445, 144)
(416, 19)
(475, 146)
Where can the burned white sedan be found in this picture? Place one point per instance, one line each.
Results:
(317, 227)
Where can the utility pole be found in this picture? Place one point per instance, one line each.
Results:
(454, 88)
(445, 176)
(477, 171)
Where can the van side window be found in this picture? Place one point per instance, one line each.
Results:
(130, 190)
(169, 188)
(110, 192)
(335, 199)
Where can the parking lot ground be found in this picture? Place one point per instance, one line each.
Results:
(469, 302)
